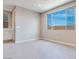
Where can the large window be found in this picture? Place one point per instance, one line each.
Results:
(61, 20)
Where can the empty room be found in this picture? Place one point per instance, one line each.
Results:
(39, 29)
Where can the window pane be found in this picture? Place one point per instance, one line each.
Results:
(59, 18)
(71, 11)
(56, 20)
(70, 22)
(50, 21)
(60, 22)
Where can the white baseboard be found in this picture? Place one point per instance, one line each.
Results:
(22, 41)
(64, 43)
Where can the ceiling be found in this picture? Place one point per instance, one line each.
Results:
(34, 5)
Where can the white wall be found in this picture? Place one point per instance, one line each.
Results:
(67, 36)
(27, 24)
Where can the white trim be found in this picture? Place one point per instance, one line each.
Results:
(64, 43)
(22, 41)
